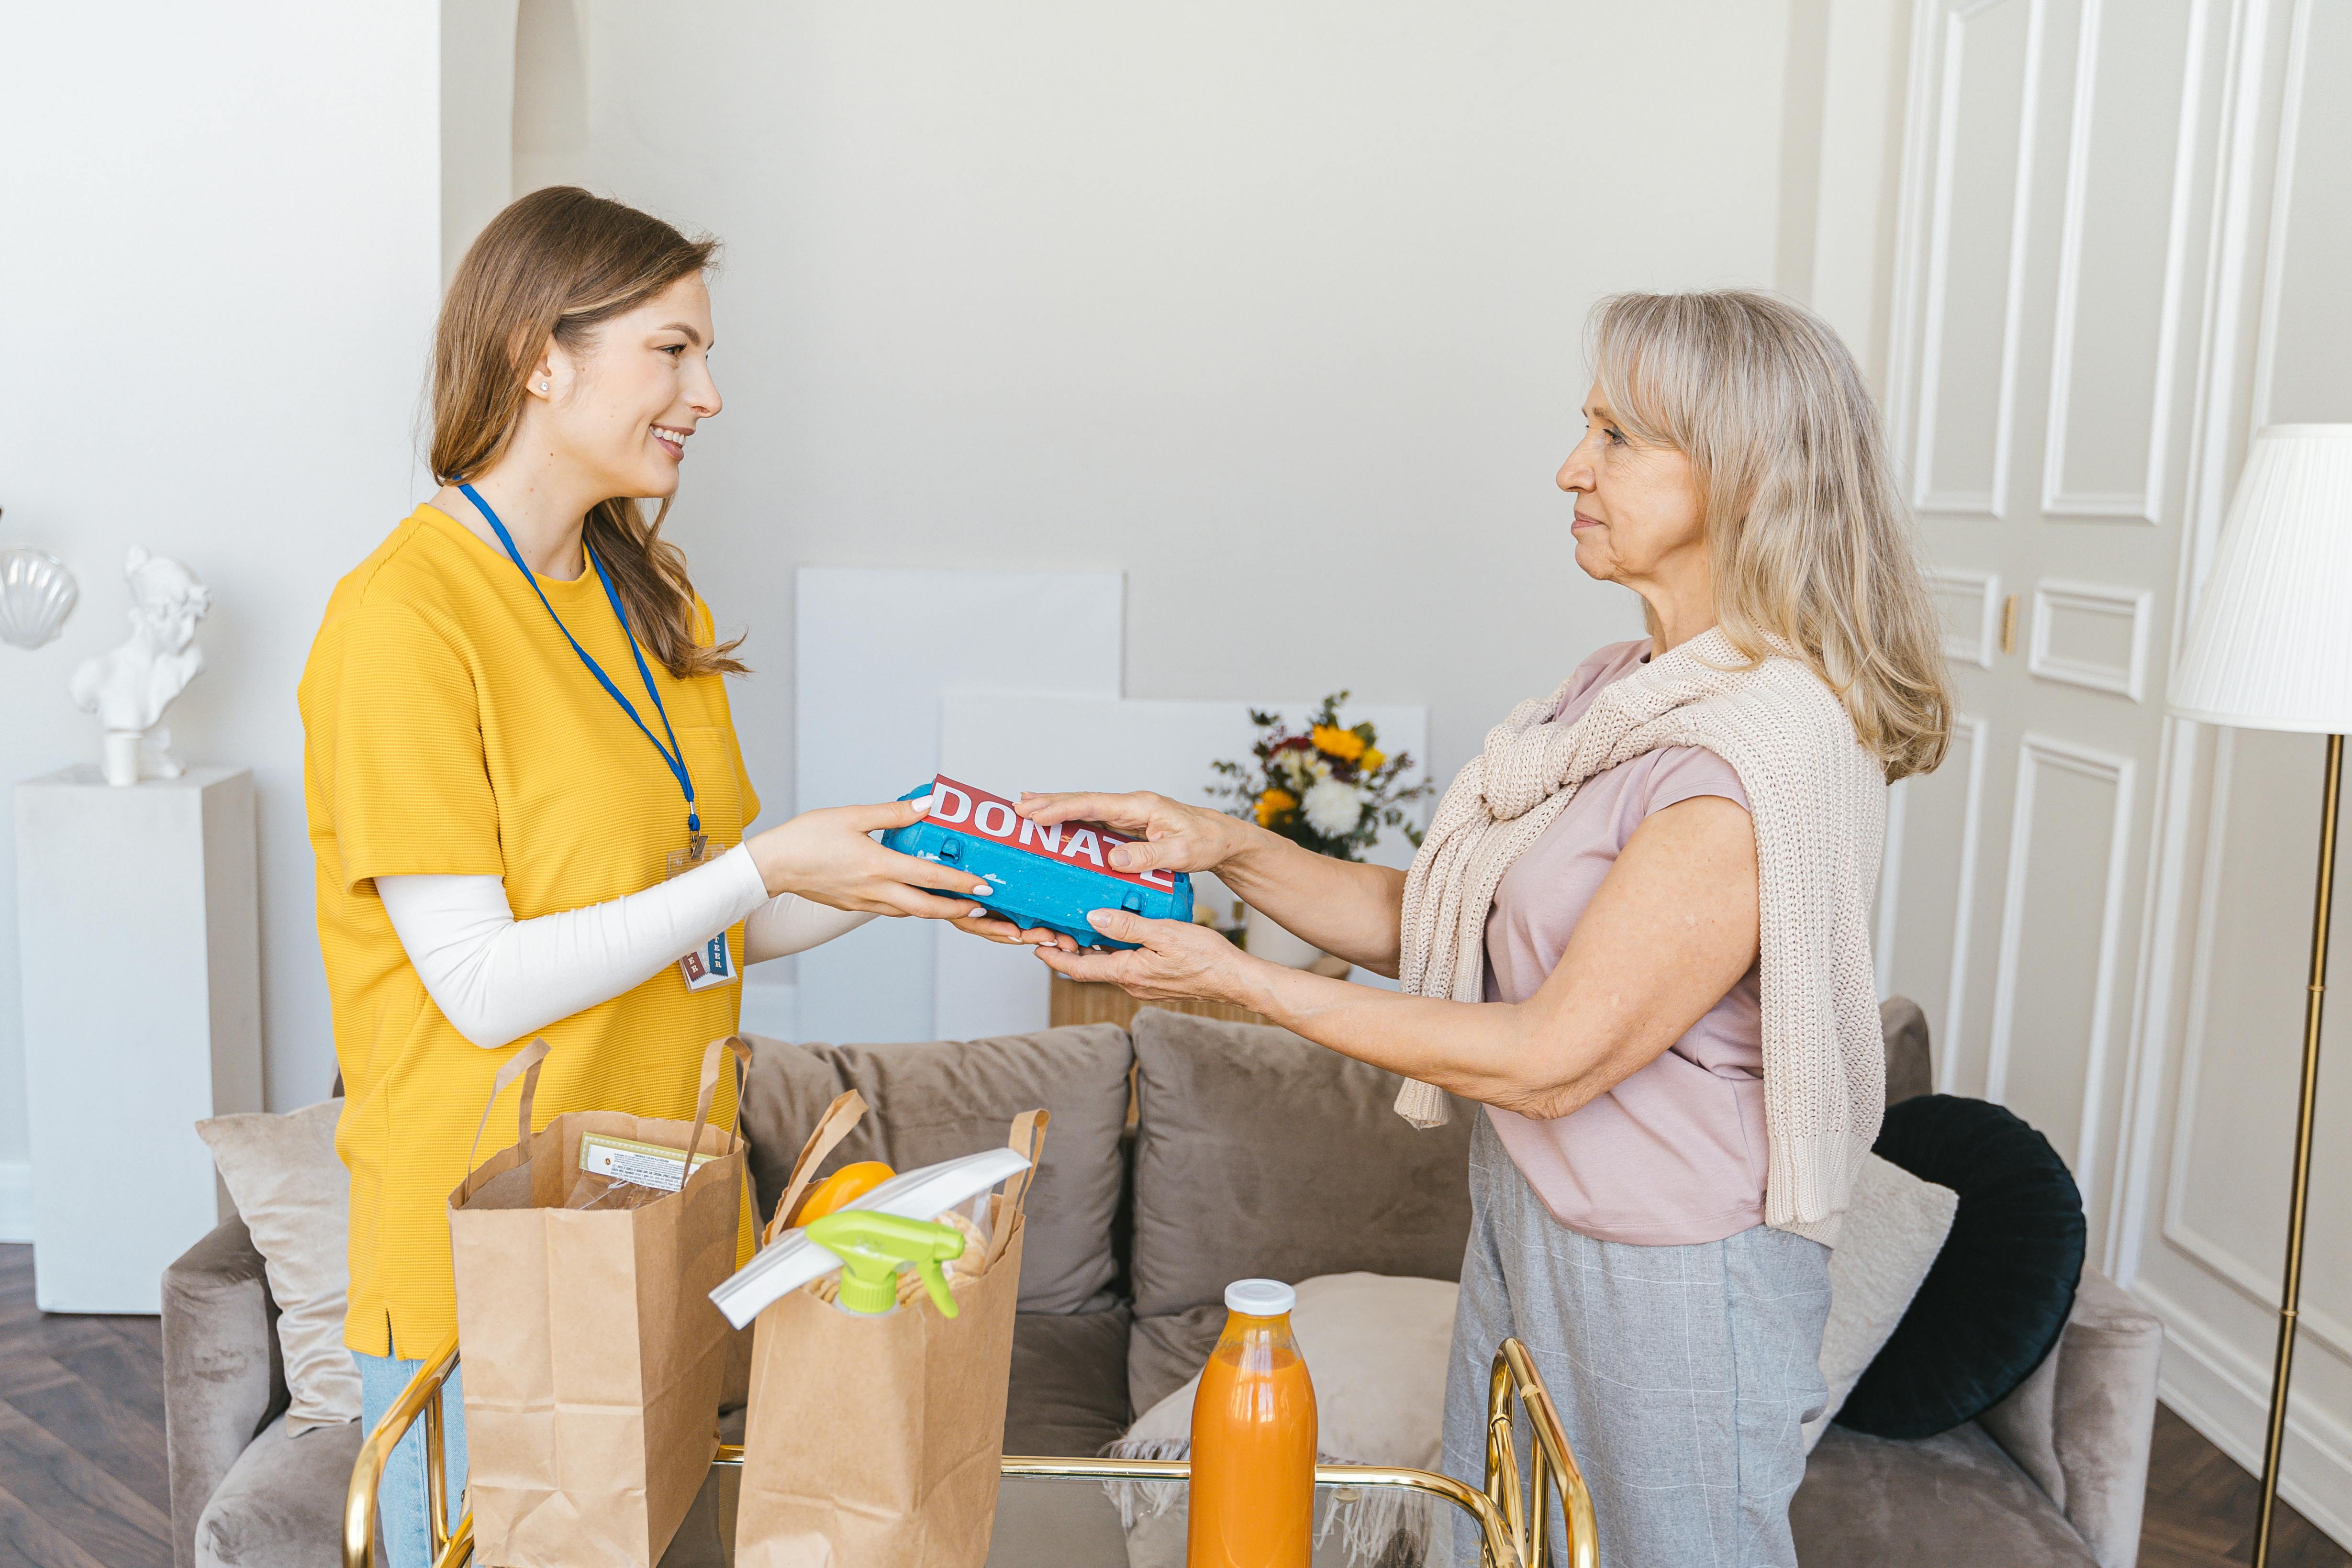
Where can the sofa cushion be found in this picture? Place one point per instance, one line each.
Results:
(1895, 1227)
(1068, 1395)
(1164, 1351)
(937, 1100)
(1259, 1153)
(1379, 1348)
(1995, 1302)
(281, 1504)
(1953, 1500)
(294, 1194)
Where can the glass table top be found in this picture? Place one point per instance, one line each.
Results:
(1069, 1521)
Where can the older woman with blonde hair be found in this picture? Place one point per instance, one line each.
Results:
(1638, 931)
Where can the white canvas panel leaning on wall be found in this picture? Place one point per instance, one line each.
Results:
(1008, 742)
(873, 650)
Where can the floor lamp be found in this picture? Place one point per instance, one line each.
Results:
(2270, 648)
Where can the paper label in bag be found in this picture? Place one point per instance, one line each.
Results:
(643, 1164)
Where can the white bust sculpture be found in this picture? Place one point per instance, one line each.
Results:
(129, 687)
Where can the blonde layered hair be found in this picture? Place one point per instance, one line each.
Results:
(1808, 539)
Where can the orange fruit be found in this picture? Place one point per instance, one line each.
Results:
(843, 1188)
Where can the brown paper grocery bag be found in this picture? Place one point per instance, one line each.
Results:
(593, 1356)
(877, 1441)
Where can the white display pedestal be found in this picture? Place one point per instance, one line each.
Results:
(137, 910)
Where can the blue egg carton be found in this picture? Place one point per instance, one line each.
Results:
(1042, 876)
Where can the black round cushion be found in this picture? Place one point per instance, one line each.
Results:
(1996, 1300)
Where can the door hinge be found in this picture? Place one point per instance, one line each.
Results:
(2008, 624)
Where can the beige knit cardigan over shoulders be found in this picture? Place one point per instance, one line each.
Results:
(1819, 803)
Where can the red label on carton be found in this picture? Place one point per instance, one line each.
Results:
(1086, 844)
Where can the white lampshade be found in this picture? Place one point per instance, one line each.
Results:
(2271, 644)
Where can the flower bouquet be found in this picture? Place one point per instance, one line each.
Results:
(1331, 789)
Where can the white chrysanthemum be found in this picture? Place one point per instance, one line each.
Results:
(1333, 808)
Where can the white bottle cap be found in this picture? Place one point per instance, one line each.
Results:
(1260, 1298)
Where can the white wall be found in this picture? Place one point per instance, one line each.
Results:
(479, 92)
(218, 284)
(2224, 976)
(2116, 951)
(1276, 308)
(1854, 72)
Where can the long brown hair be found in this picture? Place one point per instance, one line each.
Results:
(554, 266)
(1808, 539)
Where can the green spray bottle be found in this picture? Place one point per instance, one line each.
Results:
(874, 1246)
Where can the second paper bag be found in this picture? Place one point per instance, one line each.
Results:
(875, 1442)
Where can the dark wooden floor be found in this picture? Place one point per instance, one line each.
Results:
(83, 1483)
(82, 1477)
(2200, 1509)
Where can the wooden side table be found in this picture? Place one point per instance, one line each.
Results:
(1092, 1001)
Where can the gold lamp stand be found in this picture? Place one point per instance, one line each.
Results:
(2274, 1438)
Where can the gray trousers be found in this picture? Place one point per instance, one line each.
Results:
(1682, 1374)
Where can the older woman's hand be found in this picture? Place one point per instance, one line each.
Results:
(1004, 931)
(1176, 837)
(1175, 958)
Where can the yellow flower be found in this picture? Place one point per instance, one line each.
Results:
(1372, 759)
(1332, 741)
(1274, 804)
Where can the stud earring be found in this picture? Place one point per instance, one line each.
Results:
(542, 386)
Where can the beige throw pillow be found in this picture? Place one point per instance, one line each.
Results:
(295, 1196)
(1376, 1347)
(1892, 1231)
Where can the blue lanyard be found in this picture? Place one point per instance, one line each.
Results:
(672, 754)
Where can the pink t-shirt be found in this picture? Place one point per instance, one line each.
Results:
(1673, 1154)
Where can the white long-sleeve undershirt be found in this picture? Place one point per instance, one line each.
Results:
(497, 978)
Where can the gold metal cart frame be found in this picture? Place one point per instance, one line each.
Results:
(1515, 1536)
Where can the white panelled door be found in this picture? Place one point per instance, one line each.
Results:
(2049, 279)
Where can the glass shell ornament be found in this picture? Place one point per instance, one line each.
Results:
(37, 594)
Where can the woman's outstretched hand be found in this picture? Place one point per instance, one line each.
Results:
(1173, 958)
(1175, 837)
(827, 856)
(1012, 935)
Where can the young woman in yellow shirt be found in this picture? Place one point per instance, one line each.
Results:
(524, 789)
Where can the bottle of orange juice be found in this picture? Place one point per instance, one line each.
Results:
(1252, 1490)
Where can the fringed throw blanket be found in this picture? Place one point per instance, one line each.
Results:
(1819, 803)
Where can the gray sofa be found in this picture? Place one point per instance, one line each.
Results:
(1252, 1152)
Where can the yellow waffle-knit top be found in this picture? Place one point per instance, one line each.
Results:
(449, 729)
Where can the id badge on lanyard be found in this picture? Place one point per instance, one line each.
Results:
(710, 964)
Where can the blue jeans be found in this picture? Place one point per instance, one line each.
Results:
(400, 1501)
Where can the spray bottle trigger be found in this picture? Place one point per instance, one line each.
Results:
(935, 1281)
(873, 1245)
